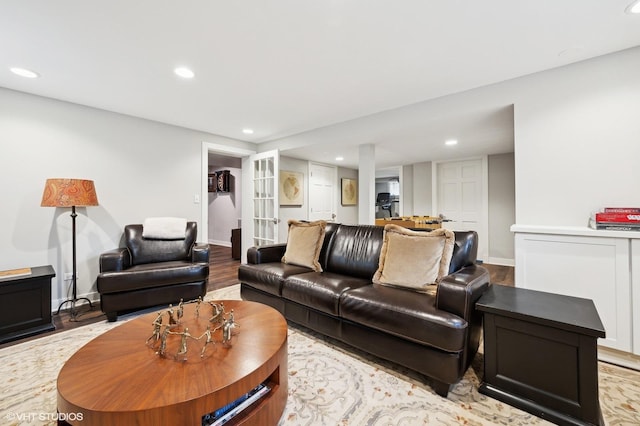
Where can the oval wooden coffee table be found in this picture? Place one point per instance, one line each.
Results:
(117, 379)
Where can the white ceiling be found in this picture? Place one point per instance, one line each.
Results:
(282, 67)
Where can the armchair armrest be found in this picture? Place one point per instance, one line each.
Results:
(458, 292)
(266, 254)
(115, 260)
(200, 253)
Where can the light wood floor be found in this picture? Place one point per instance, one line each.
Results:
(223, 272)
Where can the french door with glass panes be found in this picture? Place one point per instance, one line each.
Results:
(265, 198)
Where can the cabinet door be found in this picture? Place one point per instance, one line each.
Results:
(589, 267)
(635, 292)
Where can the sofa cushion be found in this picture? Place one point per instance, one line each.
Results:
(268, 277)
(320, 291)
(414, 259)
(329, 230)
(465, 251)
(151, 275)
(304, 243)
(406, 314)
(355, 250)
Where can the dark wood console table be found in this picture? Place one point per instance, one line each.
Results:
(540, 353)
(25, 304)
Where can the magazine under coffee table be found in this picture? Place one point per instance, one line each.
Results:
(117, 379)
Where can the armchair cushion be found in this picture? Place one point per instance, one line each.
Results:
(146, 250)
(152, 275)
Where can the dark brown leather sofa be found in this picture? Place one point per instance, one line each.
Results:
(433, 334)
(150, 272)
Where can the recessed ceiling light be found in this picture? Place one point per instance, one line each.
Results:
(339, 158)
(184, 72)
(633, 7)
(451, 142)
(23, 72)
(247, 131)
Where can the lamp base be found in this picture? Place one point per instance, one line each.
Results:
(73, 311)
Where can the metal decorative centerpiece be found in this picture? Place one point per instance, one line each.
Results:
(176, 327)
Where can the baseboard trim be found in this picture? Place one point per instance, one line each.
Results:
(220, 243)
(94, 296)
(501, 261)
(614, 356)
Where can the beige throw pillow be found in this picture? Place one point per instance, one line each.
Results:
(304, 243)
(414, 259)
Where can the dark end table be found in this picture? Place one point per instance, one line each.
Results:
(25, 304)
(540, 353)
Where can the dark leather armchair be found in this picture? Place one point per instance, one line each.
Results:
(149, 272)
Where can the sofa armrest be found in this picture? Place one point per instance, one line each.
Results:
(115, 260)
(266, 254)
(200, 253)
(458, 292)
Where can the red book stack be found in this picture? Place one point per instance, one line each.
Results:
(617, 219)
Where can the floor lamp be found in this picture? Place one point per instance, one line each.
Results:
(70, 193)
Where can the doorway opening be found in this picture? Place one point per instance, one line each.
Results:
(229, 200)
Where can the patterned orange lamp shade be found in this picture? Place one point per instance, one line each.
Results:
(70, 193)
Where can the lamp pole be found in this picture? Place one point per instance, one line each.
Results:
(75, 268)
(74, 312)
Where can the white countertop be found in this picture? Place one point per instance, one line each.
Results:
(583, 231)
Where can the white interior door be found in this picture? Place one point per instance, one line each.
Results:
(462, 198)
(322, 183)
(265, 197)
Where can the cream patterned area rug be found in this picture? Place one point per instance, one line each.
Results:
(329, 384)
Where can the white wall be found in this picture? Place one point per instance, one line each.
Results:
(140, 168)
(346, 214)
(294, 212)
(225, 208)
(502, 205)
(406, 183)
(422, 192)
(577, 140)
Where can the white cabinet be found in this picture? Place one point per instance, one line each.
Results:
(635, 293)
(596, 265)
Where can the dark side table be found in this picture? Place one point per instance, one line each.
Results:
(25, 304)
(540, 353)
